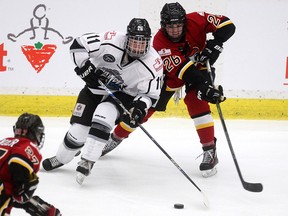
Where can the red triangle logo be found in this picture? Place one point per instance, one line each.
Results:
(38, 55)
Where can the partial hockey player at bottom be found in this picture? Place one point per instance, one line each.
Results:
(38, 207)
(207, 167)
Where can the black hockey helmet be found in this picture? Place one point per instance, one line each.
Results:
(138, 37)
(30, 126)
(173, 13)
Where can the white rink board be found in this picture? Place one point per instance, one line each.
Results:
(253, 64)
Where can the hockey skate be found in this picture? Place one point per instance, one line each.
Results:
(209, 162)
(51, 163)
(83, 170)
(112, 143)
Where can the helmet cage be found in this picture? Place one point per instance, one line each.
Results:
(136, 46)
(138, 38)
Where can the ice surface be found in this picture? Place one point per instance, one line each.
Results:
(137, 179)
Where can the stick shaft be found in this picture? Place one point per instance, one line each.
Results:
(149, 135)
(254, 187)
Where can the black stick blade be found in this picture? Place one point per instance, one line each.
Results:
(253, 187)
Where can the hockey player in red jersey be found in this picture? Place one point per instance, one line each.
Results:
(20, 160)
(182, 43)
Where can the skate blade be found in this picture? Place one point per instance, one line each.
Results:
(209, 173)
(80, 177)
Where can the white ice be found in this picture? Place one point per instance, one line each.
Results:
(137, 179)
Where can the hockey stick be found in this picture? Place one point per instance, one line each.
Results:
(40, 207)
(37, 204)
(205, 199)
(253, 187)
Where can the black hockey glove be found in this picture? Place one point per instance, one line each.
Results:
(211, 51)
(38, 207)
(25, 191)
(87, 74)
(111, 78)
(208, 93)
(137, 114)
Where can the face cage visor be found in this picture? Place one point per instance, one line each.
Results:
(137, 46)
(39, 137)
(40, 140)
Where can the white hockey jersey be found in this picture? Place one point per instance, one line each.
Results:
(142, 76)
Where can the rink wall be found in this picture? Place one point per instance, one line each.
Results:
(36, 72)
(62, 106)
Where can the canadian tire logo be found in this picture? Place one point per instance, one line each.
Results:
(286, 75)
(286, 68)
(39, 54)
(39, 29)
(3, 53)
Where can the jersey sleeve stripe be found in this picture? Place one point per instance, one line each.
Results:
(224, 23)
(149, 87)
(182, 71)
(74, 59)
(22, 163)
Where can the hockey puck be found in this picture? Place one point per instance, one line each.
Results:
(178, 206)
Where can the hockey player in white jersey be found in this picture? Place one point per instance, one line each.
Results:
(131, 69)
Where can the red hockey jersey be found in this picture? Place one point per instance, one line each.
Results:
(21, 151)
(175, 54)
